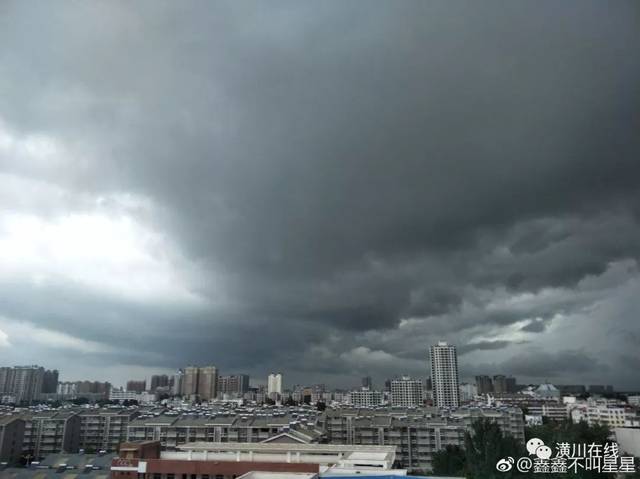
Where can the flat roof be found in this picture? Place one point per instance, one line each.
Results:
(280, 447)
(278, 475)
(366, 457)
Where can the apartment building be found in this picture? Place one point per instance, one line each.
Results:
(190, 381)
(406, 392)
(444, 375)
(549, 410)
(605, 414)
(174, 430)
(274, 386)
(11, 436)
(417, 434)
(207, 383)
(21, 384)
(234, 385)
(137, 386)
(104, 429)
(49, 432)
(504, 384)
(159, 381)
(365, 398)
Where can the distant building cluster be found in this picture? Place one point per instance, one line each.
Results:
(198, 405)
(26, 383)
(497, 384)
(81, 389)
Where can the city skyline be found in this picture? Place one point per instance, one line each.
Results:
(174, 384)
(321, 188)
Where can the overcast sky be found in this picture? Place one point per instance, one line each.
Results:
(321, 188)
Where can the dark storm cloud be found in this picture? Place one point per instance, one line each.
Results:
(484, 345)
(559, 364)
(536, 326)
(336, 168)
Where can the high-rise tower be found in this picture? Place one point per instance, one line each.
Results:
(444, 375)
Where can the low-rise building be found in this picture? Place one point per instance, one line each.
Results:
(104, 429)
(230, 460)
(175, 430)
(49, 432)
(417, 433)
(549, 410)
(64, 466)
(141, 397)
(604, 414)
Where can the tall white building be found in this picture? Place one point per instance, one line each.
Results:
(274, 386)
(406, 392)
(444, 375)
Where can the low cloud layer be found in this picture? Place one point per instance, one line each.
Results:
(323, 189)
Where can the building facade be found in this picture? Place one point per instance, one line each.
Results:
(274, 386)
(484, 384)
(365, 397)
(11, 438)
(175, 430)
(406, 392)
(21, 384)
(234, 385)
(207, 383)
(50, 381)
(104, 429)
(417, 433)
(49, 432)
(444, 375)
(159, 381)
(137, 386)
(190, 381)
(504, 384)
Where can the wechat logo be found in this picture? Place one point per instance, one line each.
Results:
(536, 446)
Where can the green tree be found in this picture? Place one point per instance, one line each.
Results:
(449, 461)
(484, 446)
